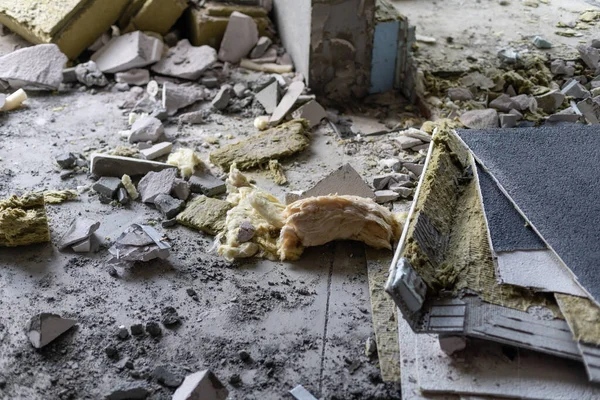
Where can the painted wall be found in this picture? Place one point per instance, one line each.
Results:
(385, 46)
(293, 20)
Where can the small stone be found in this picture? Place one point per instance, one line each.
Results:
(244, 356)
(589, 55)
(89, 74)
(246, 232)
(68, 174)
(590, 110)
(370, 347)
(194, 117)
(508, 55)
(168, 206)
(111, 352)
(210, 82)
(240, 38)
(517, 114)
(166, 378)
(503, 103)
(508, 120)
(153, 329)
(107, 186)
(596, 43)
(190, 292)
(181, 189)
(43, 328)
(460, 94)
(176, 97)
(403, 191)
(221, 100)
(385, 196)
(452, 344)
(169, 223)
(541, 43)
(129, 393)
(240, 89)
(137, 330)
(66, 161)
(207, 184)
(522, 102)
(160, 113)
(560, 67)
(416, 169)
(146, 129)
(261, 47)
(123, 197)
(185, 61)
(157, 150)
(156, 183)
(122, 333)
(480, 119)
(170, 317)
(202, 385)
(135, 77)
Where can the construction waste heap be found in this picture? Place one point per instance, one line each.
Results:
(270, 198)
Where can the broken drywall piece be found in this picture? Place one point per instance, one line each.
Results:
(240, 38)
(185, 61)
(289, 99)
(176, 96)
(205, 214)
(343, 181)
(135, 77)
(80, 230)
(155, 183)
(269, 97)
(146, 129)
(261, 47)
(23, 220)
(201, 385)
(157, 150)
(140, 243)
(589, 55)
(107, 165)
(273, 144)
(311, 111)
(39, 67)
(45, 327)
(181, 189)
(132, 50)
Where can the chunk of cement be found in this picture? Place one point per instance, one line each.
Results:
(194, 117)
(523, 102)
(240, 38)
(206, 184)
(181, 189)
(382, 182)
(563, 117)
(129, 393)
(201, 385)
(508, 120)
(221, 100)
(45, 327)
(261, 47)
(503, 103)
(140, 243)
(240, 90)
(589, 55)
(205, 214)
(560, 67)
(460, 94)
(123, 196)
(480, 119)
(80, 229)
(89, 74)
(156, 151)
(176, 97)
(107, 165)
(385, 196)
(269, 97)
(541, 43)
(452, 344)
(166, 377)
(185, 61)
(146, 129)
(66, 160)
(40, 67)
(211, 82)
(311, 111)
(246, 232)
(417, 134)
(416, 169)
(575, 89)
(590, 110)
(168, 206)
(550, 101)
(289, 99)
(134, 77)
(132, 50)
(404, 192)
(407, 142)
(155, 183)
(107, 186)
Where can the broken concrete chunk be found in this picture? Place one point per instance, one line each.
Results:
(503, 103)
(39, 67)
(311, 111)
(575, 89)
(201, 385)
(416, 169)
(240, 90)
(508, 120)
(166, 378)
(382, 182)
(85, 246)
(288, 101)
(563, 117)
(300, 393)
(155, 183)
(273, 144)
(123, 196)
(550, 101)
(207, 184)
(417, 134)
(107, 165)
(205, 214)
(45, 327)
(168, 206)
(221, 100)
(480, 119)
(541, 43)
(140, 243)
(80, 229)
(452, 344)
(240, 38)
(460, 94)
(132, 50)
(522, 102)
(185, 61)
(269, 97)
(181, 189)
(343, 181)
(176, 97)
(146, 129)
(135, 76)
(590, 110)
(589, 55)
(407, 142)
(211, 82)
(66, 160)
(246, 232)
(107, 187)
(560, 67)
(385, 196)
(270, 57)
(194, 117)
(261, 47)
(156, 151)
(89, 74)
(404, 192)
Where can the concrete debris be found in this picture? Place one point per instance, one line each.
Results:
(261, 47)
(508, 120)
(135, 77)
(89, 74)
(452, 344)
(403, 192)
(187, 160)
(168, 206)
(156, 183)
(45, 327)
(166, 378)
(240, 38)
(269, 97)
(129, 393)
(508, 55)
(460, 94)
(407, 142)
(382, 182)
(222, 98)
(300, 393)
(89, 245)
(38, 67)
(560, 67)
(123, 196)
(186, 61)
(206, 184)
(132, 50)
(80, 230)
(201, 385)
(523, 102)
(140, 243)
(563, 117)
(194, 117)
(287, 102)
(211, 82)
(146, 129)
(153, 329)
(157, 150)
(590, 110)
(66, 160)
(170, 318)
(550, 101)
(176, 97)
(541, 43)
(205, 214)
(385, 196)
(240, 90)
(311, 111)
(417, 134)
(503, 103)
(589, 55)
(480, 119)
(575, 89)
(107, 187)
(181, 189)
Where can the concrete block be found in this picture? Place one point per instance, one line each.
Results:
(269, 97)
(80, 229)
(550, 101)
(261, 47)
(311, 111)
(168, 205)
(206, 184)
(575, 89)
(222, 98)
(154, 16)
(156, 151)
(132, 50)
(39, 66)
(240, 38)
(287, 102)
(480, 119)
(146, 129)
(155, 183)
(135, 77)
(407, 142)
(185, 61)
(107, 187)
(202, 385)
(508, 120)
(45, 327)
(107, 165)
(460, 93)
(72, 25)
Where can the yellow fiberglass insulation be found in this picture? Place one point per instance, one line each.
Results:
(283, 232)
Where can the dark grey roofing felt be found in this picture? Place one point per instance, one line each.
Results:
(552, 174)
(507, 227)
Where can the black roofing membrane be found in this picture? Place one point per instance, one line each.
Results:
(552, 175)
